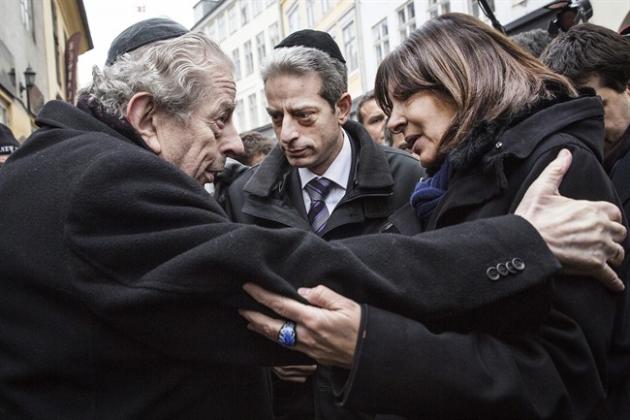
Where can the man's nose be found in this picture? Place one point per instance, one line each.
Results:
(231, 144)
(288, 131)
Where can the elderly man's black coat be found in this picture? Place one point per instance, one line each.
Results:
(121, 278)
(576, 365)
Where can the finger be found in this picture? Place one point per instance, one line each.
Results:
(270, 328)
(550, 178)
(618, 232)
(262, 324)
(285, 307)
(618, 255)
(609, 278)
(324, 297)
(612, 211)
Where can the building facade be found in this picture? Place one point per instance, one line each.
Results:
(40, 41)
(365, 30)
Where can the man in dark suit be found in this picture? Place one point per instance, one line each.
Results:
(319, 150)
(122, 277)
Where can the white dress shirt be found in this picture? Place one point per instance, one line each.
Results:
(338, 172)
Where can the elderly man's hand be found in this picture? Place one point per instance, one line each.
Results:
(583, 235)
(326, 331)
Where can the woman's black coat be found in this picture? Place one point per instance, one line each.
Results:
(563, 369)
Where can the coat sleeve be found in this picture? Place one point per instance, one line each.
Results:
(156, 257)
(555, 371)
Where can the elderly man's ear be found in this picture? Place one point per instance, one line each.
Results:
(141, 113)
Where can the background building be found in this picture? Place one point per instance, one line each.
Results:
(365, 30)
(40, 41)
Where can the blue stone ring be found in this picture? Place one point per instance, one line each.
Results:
(287, 337)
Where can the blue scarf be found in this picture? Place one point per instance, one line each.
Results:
(429, 191)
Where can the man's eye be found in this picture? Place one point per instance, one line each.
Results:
(276, 119)
(304, 115)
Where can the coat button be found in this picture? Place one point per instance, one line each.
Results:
(518, 264)
(502, 269)
(493, 274)
(510, 267)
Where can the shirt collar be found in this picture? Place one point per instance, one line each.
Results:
(338, 171)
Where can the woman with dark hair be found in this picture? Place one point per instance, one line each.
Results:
(485, 117)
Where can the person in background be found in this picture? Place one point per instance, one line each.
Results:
(534, 41)
(372, 118)
(257, 147)
(595, 57)
(8, 143)
(482, 152)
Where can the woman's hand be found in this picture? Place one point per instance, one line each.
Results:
(326, 331)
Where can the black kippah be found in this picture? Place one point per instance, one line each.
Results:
(142, 33)
(313, 39)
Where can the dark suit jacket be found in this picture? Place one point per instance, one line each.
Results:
(569, 367)
(121, 277)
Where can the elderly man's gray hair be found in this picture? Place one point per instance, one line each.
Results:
(176, 72)
(302, 60)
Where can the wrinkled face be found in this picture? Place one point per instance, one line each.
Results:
(422, 119)
(616, 112)
(374, 121)
(200, 145)
(307, 128)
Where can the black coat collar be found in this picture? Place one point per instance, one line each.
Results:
(370, 172)
(478, 173)
(59, 114)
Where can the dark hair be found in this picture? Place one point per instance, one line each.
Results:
(254, 143)
(367, 97)
(589, 50)
(463, 61)
(533, 41)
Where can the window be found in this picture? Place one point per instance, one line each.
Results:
(274, 35)
(240, 114)
(55, 27)
(245, 17)
(293, 17)
(380, 34)
(249, 58)
(211, 31)
(350, 46)
(310, 13)
(257, 7)
(438, 7)
(221, 27)
(407, 20)
(236, 58)
(4, 114)
(232, 24)
(263, 111)
(253, 110)
(26, 12)
(326, 5)
(261, 48)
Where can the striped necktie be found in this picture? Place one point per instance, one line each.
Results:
(318, 189)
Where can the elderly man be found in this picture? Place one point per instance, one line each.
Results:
(121, 275)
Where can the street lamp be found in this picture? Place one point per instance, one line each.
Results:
(29, 80)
